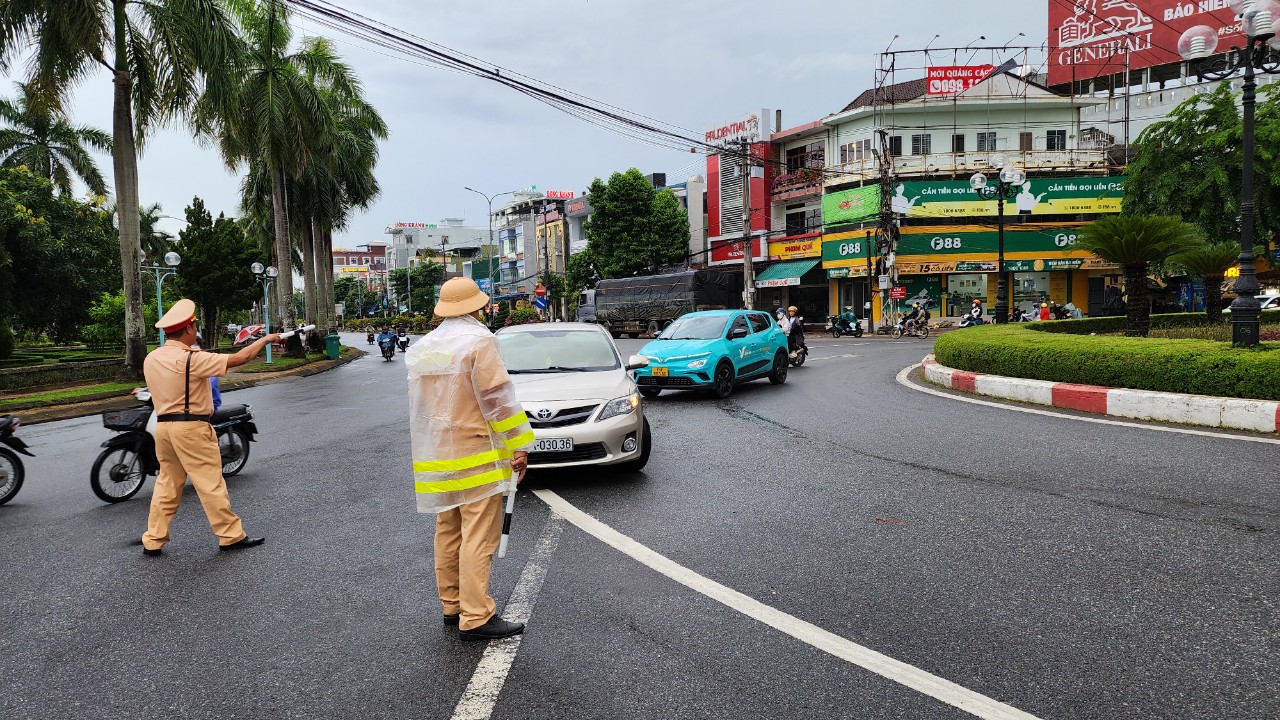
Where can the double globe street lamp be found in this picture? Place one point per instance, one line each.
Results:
(265, 276)
(171, 260)
(1008, 183)
(1259, 22)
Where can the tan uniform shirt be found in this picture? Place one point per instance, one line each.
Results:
(165, 369)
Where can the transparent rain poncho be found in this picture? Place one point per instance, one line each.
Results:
(464, 419)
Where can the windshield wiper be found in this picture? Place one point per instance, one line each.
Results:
(561, 368)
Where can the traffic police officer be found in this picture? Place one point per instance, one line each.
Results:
(186, 445)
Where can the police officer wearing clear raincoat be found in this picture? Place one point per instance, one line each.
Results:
(470, 438)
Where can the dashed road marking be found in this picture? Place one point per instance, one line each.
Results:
(902, 673)
(491, 672)
(906, 372)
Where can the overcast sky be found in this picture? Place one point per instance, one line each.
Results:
(693, 63)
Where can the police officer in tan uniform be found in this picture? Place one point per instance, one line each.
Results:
(186, 445)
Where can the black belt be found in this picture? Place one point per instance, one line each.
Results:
(184, 417)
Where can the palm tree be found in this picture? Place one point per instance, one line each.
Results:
(1209, 262)
(1135, 242)
(267, 119)
(41, 137)
(159, 53)
(154, 242)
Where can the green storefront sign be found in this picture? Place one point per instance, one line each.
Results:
(1039, 196)
(836, 273)
(858, 205)
(847, 249)
(979, 243)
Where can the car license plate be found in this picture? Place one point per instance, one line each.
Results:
(659, 372)
(553, 445)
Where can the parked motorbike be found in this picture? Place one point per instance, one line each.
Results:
(388, 346)
(11, 470)
(838, 326)
(130, 456)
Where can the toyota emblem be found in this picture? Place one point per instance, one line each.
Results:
(544, 414)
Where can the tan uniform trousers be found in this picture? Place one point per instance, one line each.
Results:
(466, 539)
(189, 449)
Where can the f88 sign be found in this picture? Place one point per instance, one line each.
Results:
(951, 79)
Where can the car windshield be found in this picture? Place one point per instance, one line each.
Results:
(552, 351)
(698, 327)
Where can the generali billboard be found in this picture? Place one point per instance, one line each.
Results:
(1089, 38)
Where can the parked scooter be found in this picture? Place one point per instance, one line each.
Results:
(130, 456)
(388, 346)
(11, 470)
(838, 326)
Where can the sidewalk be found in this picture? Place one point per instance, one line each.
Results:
(93, 404)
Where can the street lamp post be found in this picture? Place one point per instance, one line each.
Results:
(489, 199)
(1259, 20)
(265, 276)
(171, 259)
(1005, 188)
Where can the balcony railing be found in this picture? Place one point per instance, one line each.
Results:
(797, 183)
(965, 164)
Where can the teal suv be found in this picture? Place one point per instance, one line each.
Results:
(714, 350)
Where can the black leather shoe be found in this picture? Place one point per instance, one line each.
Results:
(451, 620)
(494, 629)
(152, 553)
(247, 542)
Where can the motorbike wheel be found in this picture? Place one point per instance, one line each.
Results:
(799, 359)
(835, 332)
(11, 475)
(923, 332)
(117, 475)
(896, 332)
(857, 332)
(233, 446)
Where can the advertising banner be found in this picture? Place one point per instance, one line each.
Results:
(851, 206)
(1038, 196)
(850, 249)
(796, 248)
(952, 79)
(965, 242)
(729, 250)
(1089, 38)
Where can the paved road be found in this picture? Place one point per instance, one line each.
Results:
(1071, 570)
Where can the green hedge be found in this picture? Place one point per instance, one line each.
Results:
(1200, 367)
(1115, 323)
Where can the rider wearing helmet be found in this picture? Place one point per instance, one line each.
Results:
(795, 336)
(848, 319)
(1044, 311)
(909, 320)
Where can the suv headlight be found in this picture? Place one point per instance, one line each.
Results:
(698, 364)
(620, 406)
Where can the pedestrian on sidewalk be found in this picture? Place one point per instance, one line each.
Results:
(186, 446)
(469, 438)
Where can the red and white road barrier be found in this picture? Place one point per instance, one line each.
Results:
(1233, 413)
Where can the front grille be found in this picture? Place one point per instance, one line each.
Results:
(565, 417)
(664, 381)
(580, 453)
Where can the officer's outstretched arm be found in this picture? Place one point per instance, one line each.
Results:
(251, 351)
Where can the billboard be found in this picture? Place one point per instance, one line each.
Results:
(1038, 196)
(952, 79)
(1089, 38)
(752, 127)
(851, 206)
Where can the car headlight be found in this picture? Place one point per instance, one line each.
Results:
(620, 406)
(698, 364)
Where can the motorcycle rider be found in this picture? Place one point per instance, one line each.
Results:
(783, 322)
(386, 339)
(909, 320)
(848, 320)
(795, 332)
(1044, 311)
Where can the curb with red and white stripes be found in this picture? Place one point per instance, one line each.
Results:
(1203, 410)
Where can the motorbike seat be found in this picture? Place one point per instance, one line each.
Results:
(227, 413)
(7, 422)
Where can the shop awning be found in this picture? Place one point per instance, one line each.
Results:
(782, 274)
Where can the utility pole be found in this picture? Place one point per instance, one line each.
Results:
(1126, 103)
(748, 252)
(870, 292)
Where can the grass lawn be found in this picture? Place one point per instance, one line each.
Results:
(69, 395)
(278, 363)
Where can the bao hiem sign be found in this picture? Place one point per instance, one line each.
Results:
(1089, 38)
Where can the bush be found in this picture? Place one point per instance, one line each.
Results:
(1115, 324)
(521, 316)
(1198, 367)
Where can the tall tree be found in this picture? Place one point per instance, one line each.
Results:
(1209, 262)
(1135, 242)
(39, 136)
(215, 274)
(160, 54)
(634, 230)
(420, 285)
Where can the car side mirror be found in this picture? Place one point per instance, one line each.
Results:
(635, 362)
(737, 333)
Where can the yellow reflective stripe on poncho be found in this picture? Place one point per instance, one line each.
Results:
(466, 483)
(519, 440)
(512, 422)
(465, 463)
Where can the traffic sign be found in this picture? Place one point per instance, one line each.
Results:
(485, 285)
(540, 302)
(897, 293)
(540, 291)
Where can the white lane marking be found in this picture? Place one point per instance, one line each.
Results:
(808, 633)
(490, 675)
(833, 357)
(902, 380)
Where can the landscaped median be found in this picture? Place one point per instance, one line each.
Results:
(1197, 382)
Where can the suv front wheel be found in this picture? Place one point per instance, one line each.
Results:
(722, 381)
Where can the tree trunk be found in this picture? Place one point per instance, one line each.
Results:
(309, 269)
(1213, 303)
(1138, 308)
(324, 278)
(124, 160)
(283, 314)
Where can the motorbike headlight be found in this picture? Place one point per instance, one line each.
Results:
(696, 364)
(620, 406)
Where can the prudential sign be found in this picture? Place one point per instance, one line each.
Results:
(752, 127)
